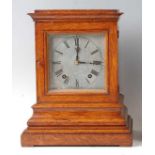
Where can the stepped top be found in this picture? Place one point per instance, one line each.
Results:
(75, 15)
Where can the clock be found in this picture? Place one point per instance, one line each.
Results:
(78, 98)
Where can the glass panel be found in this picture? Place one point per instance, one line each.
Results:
(77, 61)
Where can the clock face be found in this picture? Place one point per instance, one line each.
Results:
(77, 61)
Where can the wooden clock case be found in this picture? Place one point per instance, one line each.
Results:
(77, 118)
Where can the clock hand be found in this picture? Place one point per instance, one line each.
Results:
(77, 54)
(81, 62)
(93, 63)
(77, 48)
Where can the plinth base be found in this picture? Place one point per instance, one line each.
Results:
(78, 136)
(73, 124)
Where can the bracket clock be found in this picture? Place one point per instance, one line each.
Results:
(78, 99)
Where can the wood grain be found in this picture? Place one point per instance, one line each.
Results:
(79, 135)
(44, 95)
(78, 118)
(78, 15)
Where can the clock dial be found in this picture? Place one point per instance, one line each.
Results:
(76, 61)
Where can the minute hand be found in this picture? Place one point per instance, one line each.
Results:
(93, 63)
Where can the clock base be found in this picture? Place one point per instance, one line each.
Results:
(78, 136)
(102, 124)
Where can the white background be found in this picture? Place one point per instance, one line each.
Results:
(15, 111)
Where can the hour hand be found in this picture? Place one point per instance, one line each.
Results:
(77, 55)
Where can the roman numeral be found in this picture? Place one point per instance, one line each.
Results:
(66, 44)
(58, 52)
(97, 62)
(86, 44)
(77, 83)
(94, 72)
(94, 52)
(56, 62)
(59, 72)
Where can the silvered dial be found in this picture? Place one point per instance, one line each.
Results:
(76, 63)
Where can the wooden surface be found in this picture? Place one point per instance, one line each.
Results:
(79, 136)
(83, 117)
(103, 124)
(72, 15)
(76, 125)
(74, 27)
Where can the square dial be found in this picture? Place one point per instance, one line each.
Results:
(77, 61)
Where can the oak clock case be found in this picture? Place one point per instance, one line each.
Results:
(78, 99)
